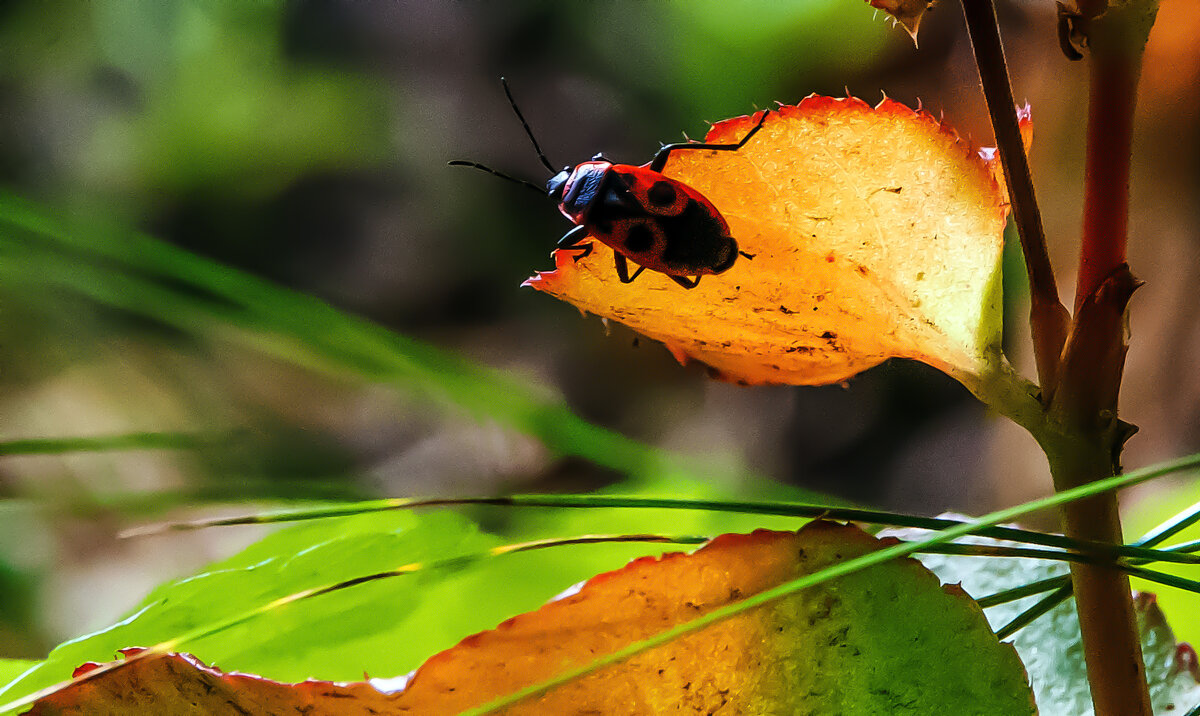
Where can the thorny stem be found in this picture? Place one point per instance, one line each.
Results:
(1081, 374)
(1107, 621)
(1116, 43)
(1109, 140)
(1048, 318)
(1085, 404)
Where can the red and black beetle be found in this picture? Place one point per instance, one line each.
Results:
(646, 217)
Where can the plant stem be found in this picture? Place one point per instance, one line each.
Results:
(1085, 403)
(1081, 374)
(1109, 140)
(1047, 317)
(1107, 622)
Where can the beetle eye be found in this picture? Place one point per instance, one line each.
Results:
(554, 187)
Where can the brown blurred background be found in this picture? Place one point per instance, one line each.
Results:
(306, 142)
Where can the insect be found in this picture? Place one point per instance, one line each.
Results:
(659, 223)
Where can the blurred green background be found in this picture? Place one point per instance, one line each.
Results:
(304, 143)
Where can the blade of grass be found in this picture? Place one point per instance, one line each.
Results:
(103, 443)
(986, 550)
(1171, 527)
(794, 509)
(1028, 616)
(1063, 589)
(1025, 590)
(882, 555)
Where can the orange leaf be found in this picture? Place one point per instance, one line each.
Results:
(876, 233)
(888, 639)
(171, 684)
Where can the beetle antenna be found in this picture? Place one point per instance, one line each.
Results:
(525, 124)
(502, 175)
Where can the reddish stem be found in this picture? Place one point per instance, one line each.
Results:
(1080, 386)
(1090, 377)
(1106, 199)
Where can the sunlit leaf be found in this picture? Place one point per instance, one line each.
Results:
(178, 684)
(876, 233)
(848, 567)
(885, 640)
(339, 636)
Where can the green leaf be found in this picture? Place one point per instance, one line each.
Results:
(840, 569)
(10, 669)
(888, 640)
(387, 627)
(1050, 646)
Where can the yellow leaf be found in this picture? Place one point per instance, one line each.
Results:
(890, 639)
(876, 233)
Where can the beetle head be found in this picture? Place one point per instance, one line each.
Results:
(554, 187)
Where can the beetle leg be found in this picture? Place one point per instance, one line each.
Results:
(686, 282)
(574, 239)
(623, 268)
(660, 158)
(586, 250)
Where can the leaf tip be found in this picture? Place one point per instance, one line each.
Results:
(906, 13)
(547, 281)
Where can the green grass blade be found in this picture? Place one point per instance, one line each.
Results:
(1171, 527)
(1064, 589)
(1044, 605)
(1026, 590)
(103, 443)
(793, 509)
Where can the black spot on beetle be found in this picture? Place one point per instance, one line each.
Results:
(692, 241)
(695, 240)
(640, 238)
(661, 193)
